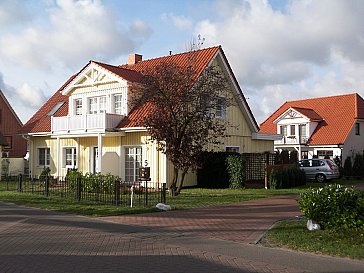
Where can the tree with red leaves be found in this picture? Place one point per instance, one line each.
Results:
(187, 113)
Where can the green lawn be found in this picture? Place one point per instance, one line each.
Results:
(189, 198)
(295, 235)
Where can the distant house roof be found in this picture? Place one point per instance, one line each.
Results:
(336, 116)
(41, 121)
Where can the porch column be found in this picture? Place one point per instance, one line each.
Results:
(57, 157)
(99, 148)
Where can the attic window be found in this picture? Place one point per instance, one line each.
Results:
(55, 108)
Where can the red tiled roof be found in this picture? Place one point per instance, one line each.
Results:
(201, 59)
(310, 113)
(41, 121)
(126, 74)
(339, 113)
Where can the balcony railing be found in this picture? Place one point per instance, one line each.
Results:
(292, 140)
(85, 123)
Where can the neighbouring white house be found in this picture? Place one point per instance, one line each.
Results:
(323, 127)
(88, 123)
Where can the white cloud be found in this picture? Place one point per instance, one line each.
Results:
(179, 21)
(25, 100)
(314, 48)
(13, 12)
(76, 32)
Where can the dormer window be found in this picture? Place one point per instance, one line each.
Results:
(97, 105)
(118, 104)
(284, 130)
(78, 107)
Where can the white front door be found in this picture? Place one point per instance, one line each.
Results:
(95, 156)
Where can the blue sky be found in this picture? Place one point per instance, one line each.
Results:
(279, 50)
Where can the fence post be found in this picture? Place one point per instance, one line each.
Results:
(117, 192)
(146, 194)
(46, 186)
(266, 163)
(163, 196)
(78, 193)
(20, 183)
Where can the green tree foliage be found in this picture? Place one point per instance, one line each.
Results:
(182, 114)
(236, 169)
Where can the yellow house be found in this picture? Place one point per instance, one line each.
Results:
(87, 123)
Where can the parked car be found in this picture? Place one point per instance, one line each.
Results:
(319, 169)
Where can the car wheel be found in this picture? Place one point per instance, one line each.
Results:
(320, 178)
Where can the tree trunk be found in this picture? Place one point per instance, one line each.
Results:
(180, 184)
(173, 186)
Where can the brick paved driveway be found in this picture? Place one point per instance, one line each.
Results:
(34, 240)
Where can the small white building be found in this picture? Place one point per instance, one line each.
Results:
(322, 127)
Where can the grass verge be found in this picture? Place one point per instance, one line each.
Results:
(188, 199)
(294, 235)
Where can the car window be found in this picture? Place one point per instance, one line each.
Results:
(304, 163)
(315, 163)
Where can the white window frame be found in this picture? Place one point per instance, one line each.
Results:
(47, 156)
(102, 104)
(135, 168)
(221, 107)
(78, 106)
(118, 104)
(237, 148)
(74, 157)
(97, 105)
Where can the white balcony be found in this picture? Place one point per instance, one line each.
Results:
(291, 140)
(92, 123)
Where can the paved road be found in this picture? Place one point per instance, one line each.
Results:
(34, 240)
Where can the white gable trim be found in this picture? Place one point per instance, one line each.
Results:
(244, 107)
(293, 114)
(98, 75)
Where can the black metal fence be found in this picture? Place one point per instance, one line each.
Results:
(118, 193)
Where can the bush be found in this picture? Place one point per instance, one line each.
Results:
(348, 167)
(213, 173)
(92, 182)
(236, 169)
(286, 178)
(358, 166)
(333, 206)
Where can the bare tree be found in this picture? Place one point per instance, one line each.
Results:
(186, 113)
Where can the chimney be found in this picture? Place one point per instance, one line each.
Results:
(134, 58)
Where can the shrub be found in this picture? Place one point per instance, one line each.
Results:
(286, 178)
(236, 169)
(348, 167)
(358, 166)
(92, 182)
(213, 173)
(333, 206)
